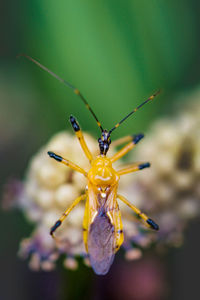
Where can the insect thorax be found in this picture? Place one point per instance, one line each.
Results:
(102, 173)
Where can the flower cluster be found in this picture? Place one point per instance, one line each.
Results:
(168, 192)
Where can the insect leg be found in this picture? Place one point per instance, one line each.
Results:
(80, 137)
(67, 163)
(133, 168)
(127, 148)
(65, 214)
(149, 222)
(123, 140)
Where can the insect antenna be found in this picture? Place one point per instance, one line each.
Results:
(133, 111)
(76, 91)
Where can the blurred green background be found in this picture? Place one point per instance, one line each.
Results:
(117, 53)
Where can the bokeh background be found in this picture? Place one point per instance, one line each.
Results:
(117, 53)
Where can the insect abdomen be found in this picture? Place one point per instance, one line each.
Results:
(101, 244)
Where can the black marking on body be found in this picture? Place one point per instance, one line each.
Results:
(144, 165)
(55, 156)
(101, 243)
(53, 228)
(74, 123)
(137, 138)
(153, 224)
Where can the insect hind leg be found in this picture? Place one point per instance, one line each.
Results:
(148, 222)
(65, 214)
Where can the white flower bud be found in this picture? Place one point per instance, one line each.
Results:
(44, 198)
(65, 195)
(50, 176)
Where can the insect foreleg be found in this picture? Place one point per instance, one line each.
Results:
(149, 222)
(133, 168)
(67, 163)
(65, 214)
(127, 148)
(80, 137)
(122, 141)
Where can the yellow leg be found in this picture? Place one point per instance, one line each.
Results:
(80, 137)
(127, 148)
(121, 141)
(67, 163)
(133, 168)
(148, 222)
(66, 213)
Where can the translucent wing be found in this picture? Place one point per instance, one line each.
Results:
(101, 244)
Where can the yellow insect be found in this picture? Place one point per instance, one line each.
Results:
(102, 224)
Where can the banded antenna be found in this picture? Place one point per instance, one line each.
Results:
(133, 111)
(76, 91)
